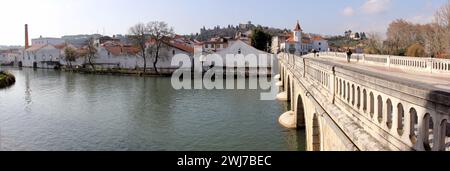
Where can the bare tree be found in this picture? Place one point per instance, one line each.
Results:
(139, 36)
(433, 39)
(70, 55)
(401, 34)
(91, 52)
(442, 18)
(159, 32)
(374, 44)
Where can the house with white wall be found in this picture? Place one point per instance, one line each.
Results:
(45, 56)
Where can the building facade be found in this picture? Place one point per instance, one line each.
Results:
(298, 42)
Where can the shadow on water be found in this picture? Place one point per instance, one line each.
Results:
(295, 138)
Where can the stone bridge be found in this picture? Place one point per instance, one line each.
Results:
(373, 103)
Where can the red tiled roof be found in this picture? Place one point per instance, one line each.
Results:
(62, 46)
(317, 38)
(291, 38)
(182, 47)
(174, 44)
(120, 49)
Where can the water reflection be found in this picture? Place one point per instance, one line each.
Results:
(68, 111)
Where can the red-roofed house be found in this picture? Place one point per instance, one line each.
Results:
(293, 43)
(298, 43)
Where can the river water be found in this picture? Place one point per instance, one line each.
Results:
(54, 110)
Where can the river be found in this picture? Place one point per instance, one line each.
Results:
(49, 110)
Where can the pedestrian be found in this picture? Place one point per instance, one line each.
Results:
(315, 52)
(349, 55)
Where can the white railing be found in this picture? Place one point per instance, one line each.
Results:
(430, 65)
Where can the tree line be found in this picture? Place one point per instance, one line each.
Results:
(405, 38)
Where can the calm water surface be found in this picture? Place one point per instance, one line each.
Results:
(52, 110)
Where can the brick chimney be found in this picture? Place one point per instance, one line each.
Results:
(27, 45)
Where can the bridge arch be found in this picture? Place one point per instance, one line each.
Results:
(389, 111)
(413, 125)
(365, 100)
(300, 112)
(400, 119)
(380, 109)
(358, 98)
(289, 92)
(372, 104)
(427, 131)
(445, 133)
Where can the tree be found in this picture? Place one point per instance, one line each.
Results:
(91, 52)
(260, 39)
(374, 44)
(442, 18)
(139, 37)
(416, 50)
(159, 32)
(70, 55)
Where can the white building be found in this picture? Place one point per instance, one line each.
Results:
(294, 43)
(298, 43)
(320, 44)
(10, 57)
(111, 54)
(46, 56)
(216, 44)
(41, 41)
(228, 62)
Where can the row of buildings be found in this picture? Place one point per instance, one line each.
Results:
(118, 51)
(113, 52)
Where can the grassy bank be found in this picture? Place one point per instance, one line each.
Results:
(6, 79)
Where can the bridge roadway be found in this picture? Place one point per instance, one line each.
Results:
(372, 103)
(432, 81)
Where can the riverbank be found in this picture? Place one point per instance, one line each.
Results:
(124, 72)
(6, 79)
(152, 73)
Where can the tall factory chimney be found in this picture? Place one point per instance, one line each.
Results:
(27, 45)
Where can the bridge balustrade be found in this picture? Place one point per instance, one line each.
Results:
(420, 64)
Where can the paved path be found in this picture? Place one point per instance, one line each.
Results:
(432, 81)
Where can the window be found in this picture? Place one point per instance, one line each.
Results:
(239, 51)
(320, 43)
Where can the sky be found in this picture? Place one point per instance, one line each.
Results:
(55, 18)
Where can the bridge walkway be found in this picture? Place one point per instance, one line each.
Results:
(432, 81)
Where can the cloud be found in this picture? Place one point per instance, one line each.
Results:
(376, 6)
(421, 19)
(348, 11)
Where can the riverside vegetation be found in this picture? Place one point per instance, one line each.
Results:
(6, 79)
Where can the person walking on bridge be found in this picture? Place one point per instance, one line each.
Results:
(349, 54)
(315, 52)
